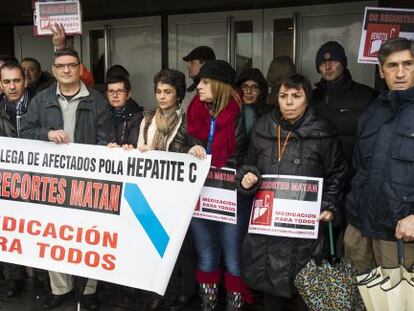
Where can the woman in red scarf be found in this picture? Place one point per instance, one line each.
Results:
(214, 126)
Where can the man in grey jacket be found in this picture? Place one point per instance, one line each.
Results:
(63, 113)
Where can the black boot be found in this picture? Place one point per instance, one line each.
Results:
(209, 296)
(234, 301)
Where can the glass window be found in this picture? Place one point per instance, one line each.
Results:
(97, 49)
(243, 44)
(283, 37)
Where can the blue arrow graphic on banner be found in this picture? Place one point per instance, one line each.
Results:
(145, 215)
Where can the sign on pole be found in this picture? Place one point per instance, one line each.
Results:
(382, 24)
(48, 13)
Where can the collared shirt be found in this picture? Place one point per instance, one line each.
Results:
(69, 109)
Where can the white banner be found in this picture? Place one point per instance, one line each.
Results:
(287, 206)
(67, 13)
(218, 199)
(382, 24)
(107, 214)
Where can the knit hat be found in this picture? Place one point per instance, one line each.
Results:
(219, 70)
(202, 52)
(330, 50)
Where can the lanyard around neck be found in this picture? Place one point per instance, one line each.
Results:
(281, 149)
(211, 134)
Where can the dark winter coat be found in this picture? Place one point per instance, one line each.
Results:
(8, 117)
(127, 121)
(45, 80)
(383, 187)
(271, 263)
(342, 102)
(93, 119)
(7, 126)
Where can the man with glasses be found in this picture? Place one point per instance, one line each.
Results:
(380, 205)
(67, 112)
(126, 113)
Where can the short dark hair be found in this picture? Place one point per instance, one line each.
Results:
(117, 70)
(10, 66)
(118, 79)
(32, 60)
(298, 81)
(394, 45)
(8, 59)
(172, 77)
(66, 52)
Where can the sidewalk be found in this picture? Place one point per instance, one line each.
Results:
(112, 299)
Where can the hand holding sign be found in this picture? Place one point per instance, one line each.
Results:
(59, 36)
(58, 137)
(198, 151)
(249, 180)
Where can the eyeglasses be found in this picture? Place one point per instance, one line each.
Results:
(254, 88)
(70, 66)
(117, 92)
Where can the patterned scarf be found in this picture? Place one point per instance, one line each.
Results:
(166, 122)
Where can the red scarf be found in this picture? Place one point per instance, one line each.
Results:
(224, 141)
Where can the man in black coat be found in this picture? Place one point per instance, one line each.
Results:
(13, 105)
(338, 98)
(380, 205)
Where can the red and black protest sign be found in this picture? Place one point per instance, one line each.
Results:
(382, 24)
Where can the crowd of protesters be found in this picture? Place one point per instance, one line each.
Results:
(359, 142)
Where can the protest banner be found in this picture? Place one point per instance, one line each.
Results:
(218, 199)
(381, 24)
(48, 13)
(287, 206)
(107, 214)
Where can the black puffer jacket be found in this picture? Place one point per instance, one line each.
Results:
(127, 121)
(383, 188)
(93, 119)
(342, 102)
(271, 263)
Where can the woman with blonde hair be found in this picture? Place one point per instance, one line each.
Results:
(215, 126)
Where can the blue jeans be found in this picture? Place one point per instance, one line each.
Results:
(213, 239)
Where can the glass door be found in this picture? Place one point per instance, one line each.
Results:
(132, 43)
(234, 36)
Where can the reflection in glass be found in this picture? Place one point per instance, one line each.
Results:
(283, 37)
(97, 49)
(243, 31)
